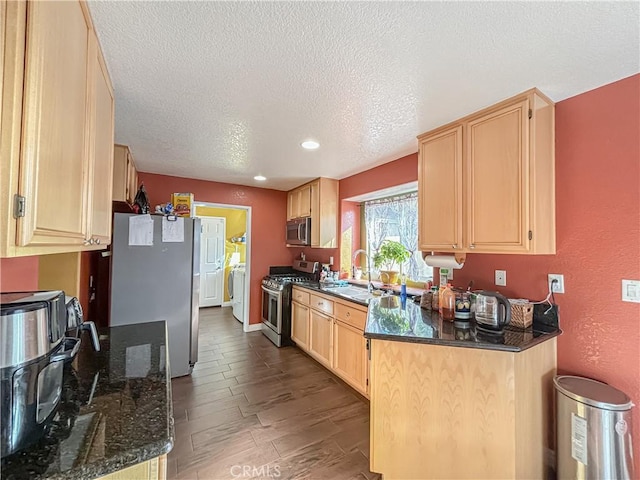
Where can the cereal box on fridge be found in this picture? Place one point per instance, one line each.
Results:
(182, 203)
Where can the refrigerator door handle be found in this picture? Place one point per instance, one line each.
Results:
(195, 293)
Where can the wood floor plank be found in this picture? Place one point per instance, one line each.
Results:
(349, 467)
(254, 370)
(252, 458)
(223, 430)
(292, 442)
(270, 400)
(204, 369)
(193, 398)
(324, 401)
(215, 406)
(305, 462)
(204, 423)
(293, 424)
(209, 454)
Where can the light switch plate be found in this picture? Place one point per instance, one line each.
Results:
(631, 291)
(501, 278)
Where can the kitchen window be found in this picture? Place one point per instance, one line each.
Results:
(396, 218)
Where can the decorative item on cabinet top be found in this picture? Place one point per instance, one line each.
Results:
(487, 181)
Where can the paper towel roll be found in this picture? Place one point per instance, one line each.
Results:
(443, 261)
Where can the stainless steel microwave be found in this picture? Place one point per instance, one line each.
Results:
(299, 231)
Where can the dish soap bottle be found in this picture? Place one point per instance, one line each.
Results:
(448, 303)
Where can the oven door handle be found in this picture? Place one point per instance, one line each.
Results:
(277, 293)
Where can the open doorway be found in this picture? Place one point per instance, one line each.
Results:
(237, 252)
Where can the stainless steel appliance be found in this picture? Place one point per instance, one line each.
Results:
(236, 290)
(299, 231)
(492, 310)
(33, 350)
(160, 281)
(594, 430)
(276, 298)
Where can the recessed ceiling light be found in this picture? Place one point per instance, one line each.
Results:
(310, 144)
(260, 178)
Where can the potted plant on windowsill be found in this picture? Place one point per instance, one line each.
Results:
(390, 254)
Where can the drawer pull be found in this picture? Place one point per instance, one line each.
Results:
(348, 314)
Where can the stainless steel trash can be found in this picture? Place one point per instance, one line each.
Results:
(593, 436)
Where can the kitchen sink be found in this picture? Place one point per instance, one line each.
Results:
(358, 294)
(349, 291)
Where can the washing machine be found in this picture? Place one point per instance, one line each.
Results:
(236, 290)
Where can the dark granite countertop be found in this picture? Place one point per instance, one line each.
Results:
(115, 411)
(389, 319)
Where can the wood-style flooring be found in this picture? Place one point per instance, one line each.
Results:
(251, 410)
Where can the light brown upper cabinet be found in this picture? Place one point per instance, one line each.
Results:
(299, 202)
(53, 103)
(441, 209)
(102, 165)
(487, 181)
(319, 200)
(125, 175)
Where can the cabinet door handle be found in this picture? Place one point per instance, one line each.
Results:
(86, 241)
(348, 314)
(472, 246)
(455, 245)
(98, 241)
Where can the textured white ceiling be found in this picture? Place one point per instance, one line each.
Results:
(227, 90)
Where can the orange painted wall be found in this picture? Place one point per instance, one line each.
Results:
(18, 274)
(397, 172)
(598, 239)
(268, 216)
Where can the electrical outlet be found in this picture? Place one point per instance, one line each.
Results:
(501, 278)
(631, 291)
(558, 286)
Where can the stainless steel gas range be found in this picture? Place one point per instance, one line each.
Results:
(276, 298)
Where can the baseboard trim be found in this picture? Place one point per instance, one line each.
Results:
(227, 304)
(254, 327)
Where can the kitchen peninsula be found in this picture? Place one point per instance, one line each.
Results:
(115, 419)
(449, 401)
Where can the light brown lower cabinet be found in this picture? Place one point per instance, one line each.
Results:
(350, 355)
(331, 330)
(300, 325)
(441, 412)
(321, 338)
(154, 469)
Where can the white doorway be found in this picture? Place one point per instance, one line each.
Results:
(247, 285)
(212, 256)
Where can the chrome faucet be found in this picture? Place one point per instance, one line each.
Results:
(355, 255)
